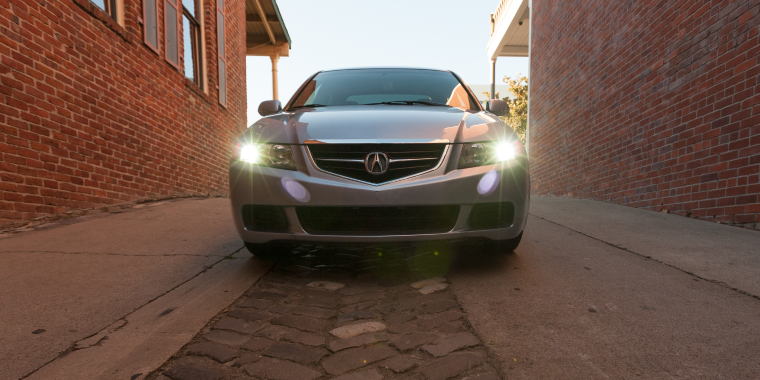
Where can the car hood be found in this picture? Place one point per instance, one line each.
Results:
(378, 124)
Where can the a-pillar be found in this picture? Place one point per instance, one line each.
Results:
(493, 79)
(274, 58)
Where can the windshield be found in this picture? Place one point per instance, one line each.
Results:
(385, 86)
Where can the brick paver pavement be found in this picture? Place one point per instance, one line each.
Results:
(341, 314)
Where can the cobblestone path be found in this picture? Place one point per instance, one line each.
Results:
(346, 314)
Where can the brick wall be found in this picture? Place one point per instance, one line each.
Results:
(651, 104)
(90, 116)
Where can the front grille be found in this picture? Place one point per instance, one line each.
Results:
(492, 215)
(264, 218)
(377, 220)
(347, 160)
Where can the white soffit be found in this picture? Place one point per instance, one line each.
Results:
(510, 39)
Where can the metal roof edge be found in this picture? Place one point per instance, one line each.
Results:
(282, 23)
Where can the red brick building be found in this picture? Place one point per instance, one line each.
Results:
(106, 102)
(651, 104)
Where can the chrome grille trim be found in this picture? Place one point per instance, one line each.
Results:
(316, 166)
(338, 159)
(391, 161)
(377, 141)
(411, 159)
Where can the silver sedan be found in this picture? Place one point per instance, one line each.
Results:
(379, 155)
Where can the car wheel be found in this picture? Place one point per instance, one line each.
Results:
(267, 251)
(505, 246)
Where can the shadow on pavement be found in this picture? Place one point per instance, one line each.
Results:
(393, 265)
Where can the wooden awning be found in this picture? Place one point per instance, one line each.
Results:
(510, 30)
(265, 31)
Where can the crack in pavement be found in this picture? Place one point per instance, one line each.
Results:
(74, 346)
(721, 283)
(116, 254)
(99, 337)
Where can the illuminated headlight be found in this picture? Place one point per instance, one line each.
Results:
(504, 151)
(274, 155)
(479, 154)
(250, 154)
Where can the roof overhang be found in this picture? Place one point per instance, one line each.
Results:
(265, 31)
(510, 35)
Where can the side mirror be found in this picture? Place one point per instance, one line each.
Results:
(497, 107)
(269, 107)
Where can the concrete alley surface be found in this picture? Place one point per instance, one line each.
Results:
(709, 250)
(571, 305)
(95, 289)
(595, 291)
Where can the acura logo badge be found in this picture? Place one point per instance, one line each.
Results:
(376, 163)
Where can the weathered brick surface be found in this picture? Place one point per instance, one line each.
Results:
(356, 329)
(308, 339)
(407, 342)
(256, 303)
(229, 338)
(434, 341)
(218, 352)
(448, 345)
(194, 373)
(90, 116)
(258, 344)
(295, 352)
(399, 364)
(281, 370)
(651, 104)
(301, 323)
(436, 320)
(354, 358)
(249, 315)
(370, 374)
(310, 311)
(437, 305)
(452, 365)
(238, 325)
(356, 341)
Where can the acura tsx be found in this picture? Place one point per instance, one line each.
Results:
(379, 155)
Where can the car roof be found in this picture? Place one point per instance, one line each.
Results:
(384, 68)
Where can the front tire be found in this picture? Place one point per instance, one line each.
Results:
(267, 251)
(505, 246)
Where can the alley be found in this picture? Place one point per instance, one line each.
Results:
(611, 293)
(99, 287)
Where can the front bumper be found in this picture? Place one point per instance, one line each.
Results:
(258, 185)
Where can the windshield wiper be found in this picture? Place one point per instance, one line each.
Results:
(309, 106)
(409, 102)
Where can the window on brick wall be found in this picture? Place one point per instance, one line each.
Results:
(150, 25)
(191, 34)
(221, 38)
(109, 6)
(172, 14)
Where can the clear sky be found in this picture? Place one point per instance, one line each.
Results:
(330, 34)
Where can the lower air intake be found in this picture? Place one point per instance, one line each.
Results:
(264, 218)
(378, 220)
(486, 216)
